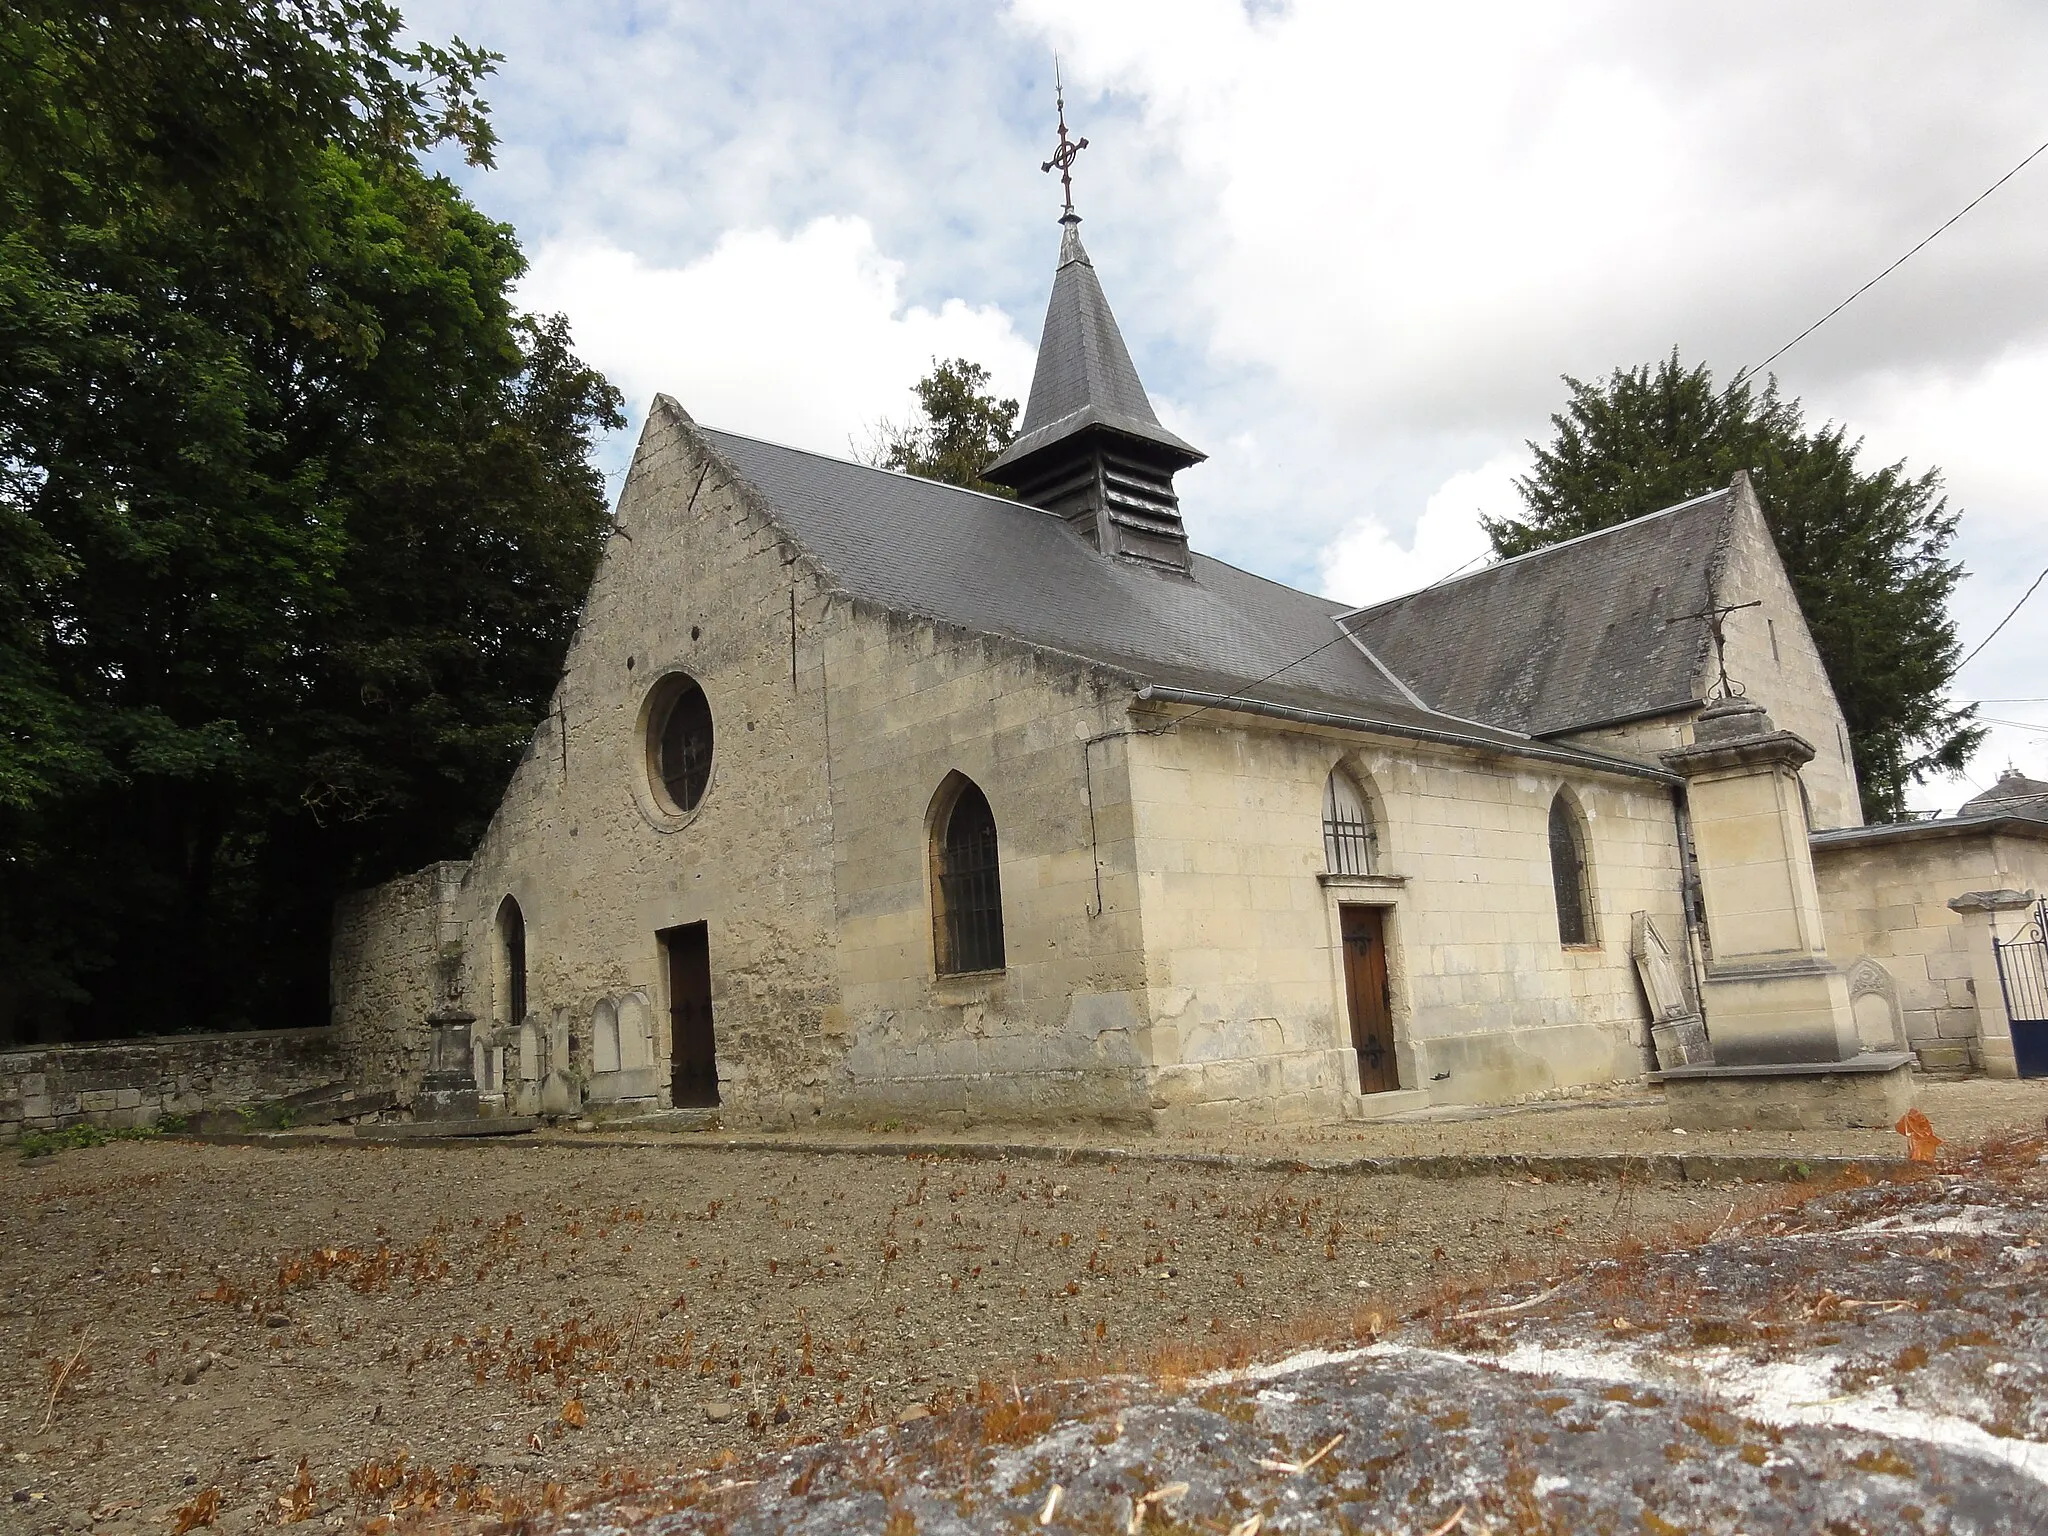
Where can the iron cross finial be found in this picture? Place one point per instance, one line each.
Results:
(1716, 618)
(1069, 150)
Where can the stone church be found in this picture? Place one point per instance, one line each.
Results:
(866, 797)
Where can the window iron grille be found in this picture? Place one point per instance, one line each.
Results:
(1568, 874)
(970, 889)
(1350, 845)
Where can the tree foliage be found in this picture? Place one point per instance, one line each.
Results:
(1866, 550)
(959, 429)
(295, 505)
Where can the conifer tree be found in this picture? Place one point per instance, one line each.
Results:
(1866, 550)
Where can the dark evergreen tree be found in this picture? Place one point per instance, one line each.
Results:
(1866, 549)
(959, 429)
(295, 506)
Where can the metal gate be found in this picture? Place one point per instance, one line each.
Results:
(2023, 977)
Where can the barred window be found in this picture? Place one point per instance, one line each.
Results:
(969, 916)
(1568, 872)
(1350, 845)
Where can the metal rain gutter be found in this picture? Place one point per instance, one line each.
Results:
(1154, 693)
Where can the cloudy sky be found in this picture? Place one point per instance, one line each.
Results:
(1353, 245)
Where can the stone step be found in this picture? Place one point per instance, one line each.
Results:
(1382, 1106)
(442, 1130)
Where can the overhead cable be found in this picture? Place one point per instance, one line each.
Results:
(1888, 271)
(2016, 607)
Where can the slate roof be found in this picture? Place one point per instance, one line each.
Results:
(1084, 375)
(1566, 637)
(2013, 795)
(1003, 568)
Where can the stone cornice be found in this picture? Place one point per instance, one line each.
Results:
(1779, 749)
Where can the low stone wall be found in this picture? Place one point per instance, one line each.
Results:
(1885, 893)
(118, 1083)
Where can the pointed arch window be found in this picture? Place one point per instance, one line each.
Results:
(1351, 844)
(1569, 874)
(968, 894)
(512, 960)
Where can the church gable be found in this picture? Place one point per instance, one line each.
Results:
(673, 813)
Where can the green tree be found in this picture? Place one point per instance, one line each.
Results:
(295, 506)
(959, 428)
(1866, 549)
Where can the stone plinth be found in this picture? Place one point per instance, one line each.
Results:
(1868, 1092)
(1792, 1011)
(448, 1091)
(1771, 994)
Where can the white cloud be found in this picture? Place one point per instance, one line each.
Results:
(1352, 243)
(1366, 563)
(802, 339)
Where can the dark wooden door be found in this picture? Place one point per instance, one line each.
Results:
(693, 1048)
(1365, 989)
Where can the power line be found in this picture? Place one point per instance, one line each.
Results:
(2016, 607)
(1343, 634)
(1888, 271)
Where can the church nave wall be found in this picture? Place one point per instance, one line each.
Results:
(1061, 1032)
(1242, 920)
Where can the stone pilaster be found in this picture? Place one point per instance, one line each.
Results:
(1771, 994)
(1984, 914)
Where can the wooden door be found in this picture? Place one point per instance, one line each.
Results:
(1371, 1003)
(693, 1048)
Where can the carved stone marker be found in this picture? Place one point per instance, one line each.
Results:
(1676, 1029)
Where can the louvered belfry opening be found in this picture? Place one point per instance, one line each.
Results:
(970, 892)
(1568, 873)
(1091, 449)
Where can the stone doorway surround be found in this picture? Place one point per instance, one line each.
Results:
(1383, 892)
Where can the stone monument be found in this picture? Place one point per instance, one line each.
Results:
(1786, 1055)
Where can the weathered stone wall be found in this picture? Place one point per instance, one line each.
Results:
(1889, 926)
(118, 1083)
(1643, 740)
(394, 959)
(1063, 1031)
(1241, 933)
(702, 583)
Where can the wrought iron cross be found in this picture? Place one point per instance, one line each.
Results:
(1069, 150)
(1716, 618)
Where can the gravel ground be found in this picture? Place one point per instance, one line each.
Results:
(1874, 1360)
(190, 1325)
(1627, 1121)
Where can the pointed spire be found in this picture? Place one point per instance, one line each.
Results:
(1090, 447)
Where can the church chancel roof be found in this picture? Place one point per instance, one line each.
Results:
(1569, 637)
